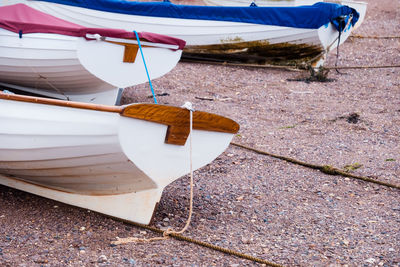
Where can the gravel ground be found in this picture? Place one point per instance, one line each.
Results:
(251, 203)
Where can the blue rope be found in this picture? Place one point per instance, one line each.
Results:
(144, 62)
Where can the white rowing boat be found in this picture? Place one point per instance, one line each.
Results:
(250, 34)
(113, 160)
(45, 55)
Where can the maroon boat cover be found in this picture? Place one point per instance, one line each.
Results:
(23, 19)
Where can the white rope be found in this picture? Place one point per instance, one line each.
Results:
(189, 106)
(166, 233)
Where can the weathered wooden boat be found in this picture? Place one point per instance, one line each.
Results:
(249, 34)
(50, 56)
(361, 7)
(110, 159)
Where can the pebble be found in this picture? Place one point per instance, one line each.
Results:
(370, 260)
(102, 259)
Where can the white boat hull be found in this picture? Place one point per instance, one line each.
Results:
(223, 38)
(73, 68)
(93, 159)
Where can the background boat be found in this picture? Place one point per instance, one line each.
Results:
(60, 59)
(114, 160)
(220, 33)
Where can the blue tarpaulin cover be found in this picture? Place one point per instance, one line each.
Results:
(308, 17)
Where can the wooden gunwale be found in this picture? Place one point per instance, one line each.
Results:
(177, 119)
(61, 103)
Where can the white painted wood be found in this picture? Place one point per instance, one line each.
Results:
(87, 158)
(72, 66)
(135, 207)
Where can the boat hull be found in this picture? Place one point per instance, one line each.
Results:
(223, 40)
(95, 159)
(73, 68)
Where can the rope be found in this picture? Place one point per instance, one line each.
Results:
(145, 66)
(341, 29)
(266, 66)
(293, 68)
(177, 234)
(50, 84)
(364, 67)
(327, 169)
(188, 106)
(200, 243)
(337, 53)
(170, 231)
(375, 37)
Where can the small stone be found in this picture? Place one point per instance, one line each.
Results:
(246, 240)
(102, 259)
(166, 219)
(370, 260)
(240, 198)
(83, 228)
(143, 232)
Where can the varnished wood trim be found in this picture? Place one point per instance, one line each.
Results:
(178, 120)
(130, 51)
(61, 103)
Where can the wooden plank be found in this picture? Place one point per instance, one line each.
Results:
(178, 120)
(61, 103)
(130, 51)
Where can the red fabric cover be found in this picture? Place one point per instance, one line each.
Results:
(20, 17)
